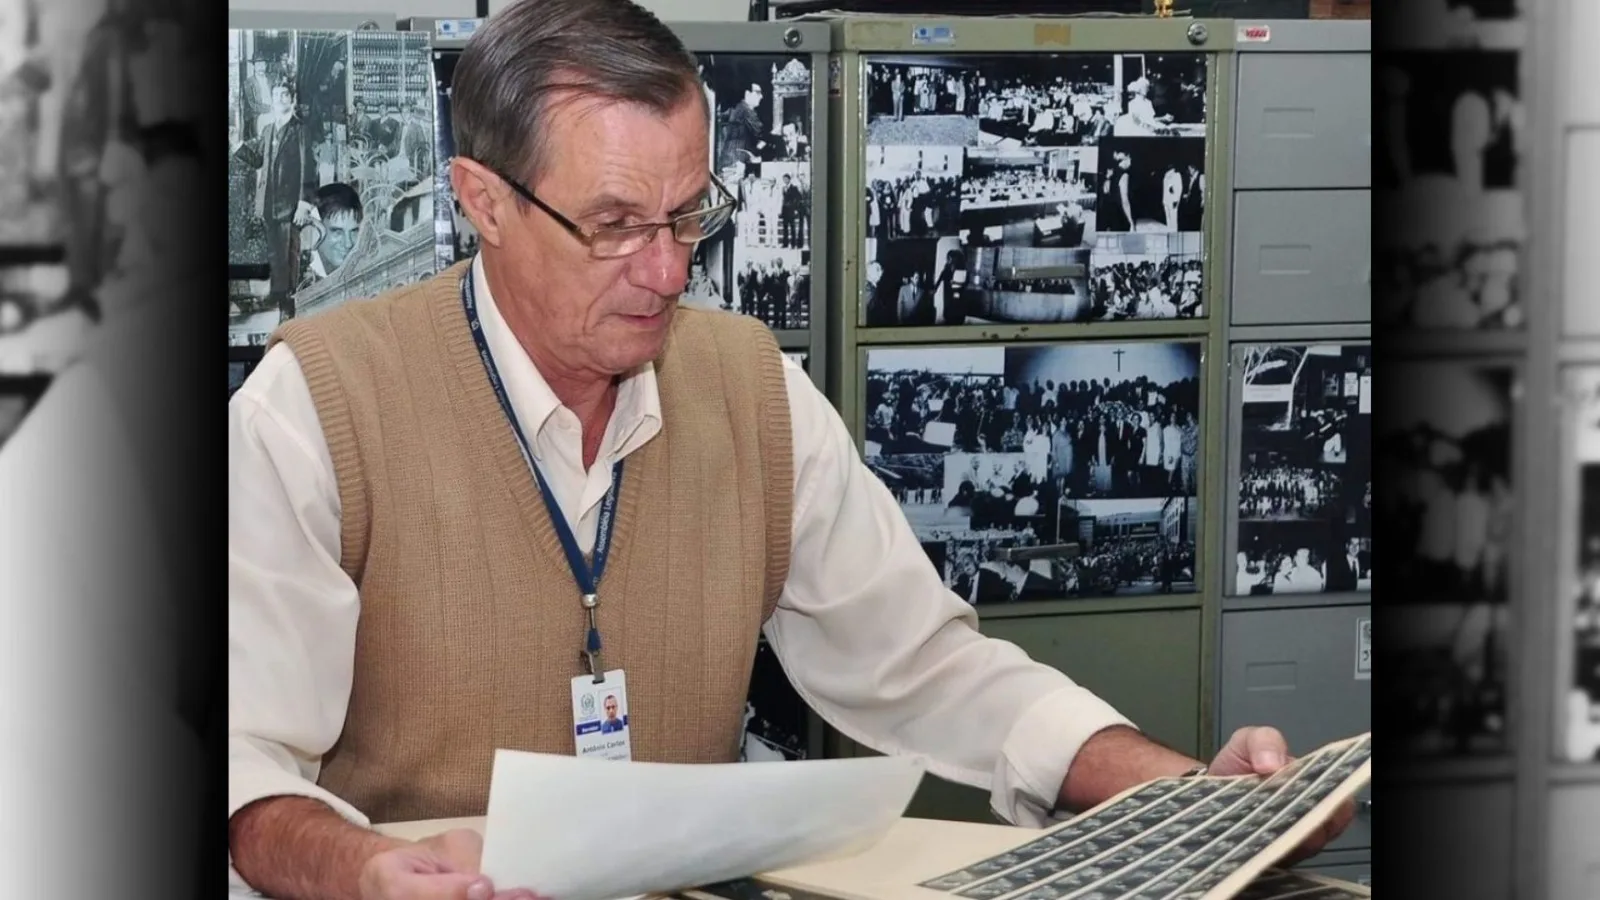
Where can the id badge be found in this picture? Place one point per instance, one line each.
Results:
(600, 717)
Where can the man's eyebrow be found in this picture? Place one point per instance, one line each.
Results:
(695, 201)
(604, 203)
(609, 203)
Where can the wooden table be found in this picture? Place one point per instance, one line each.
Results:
(913, 850)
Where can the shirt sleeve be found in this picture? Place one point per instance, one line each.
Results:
(874, 642)
(292, 610)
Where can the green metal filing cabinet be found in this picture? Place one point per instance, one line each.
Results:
(1295, 637)
(1011, 316)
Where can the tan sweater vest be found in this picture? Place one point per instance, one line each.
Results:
(470, 626)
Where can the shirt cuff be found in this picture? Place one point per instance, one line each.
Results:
(252, 780)
(1040, 749)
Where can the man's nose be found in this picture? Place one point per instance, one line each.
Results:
(662, 267)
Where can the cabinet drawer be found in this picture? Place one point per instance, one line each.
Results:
(1302, 257)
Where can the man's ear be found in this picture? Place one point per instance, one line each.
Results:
(479, 191)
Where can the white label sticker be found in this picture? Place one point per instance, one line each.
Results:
(1363, 649)
(1255, 34)
(455, 29)
(835, 76)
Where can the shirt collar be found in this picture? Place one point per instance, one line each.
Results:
(636, 419)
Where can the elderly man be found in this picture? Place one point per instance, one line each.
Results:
(415, 482)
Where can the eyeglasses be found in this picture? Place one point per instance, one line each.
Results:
(616, 241)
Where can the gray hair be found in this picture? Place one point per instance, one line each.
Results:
(534, 54)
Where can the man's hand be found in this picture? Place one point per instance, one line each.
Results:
(297, 848)
(1262, 751)
(442, 867)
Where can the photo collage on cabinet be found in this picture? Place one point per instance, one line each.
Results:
(238, 371)
(43, 325)
(760, 263)
(1443, 436)
(1447, 171)
(1580, 707)
(991, 450)
(1034, 188)
(776, 723)
(454, 237)
(18, 395)
(1305, 470)
(330, 170)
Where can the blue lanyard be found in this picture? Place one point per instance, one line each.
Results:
(586, 574)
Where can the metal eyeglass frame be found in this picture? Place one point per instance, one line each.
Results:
(588, 236)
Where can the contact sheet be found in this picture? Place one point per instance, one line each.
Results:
(1172, 839)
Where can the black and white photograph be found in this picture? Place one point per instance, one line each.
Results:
(96, 148)
(915, 282)
(1453, 114)
(1033, 100)
(18, 395)
(33, 110)
(994, 865)
(1149, 185)
(924, 100)
(775, 718)
(1070, 834)
(1444, 439)
(1082, 99)
(238, 371)
(455, 238)
(1067, 163)
(994, 450)
(995, 887)
(1270, 884)
(1579, 710)
(331, 169)
(1147, 276)
(913, 192)
(1305, 469)
(759, 264)
(1029, 197)
(1448, 157)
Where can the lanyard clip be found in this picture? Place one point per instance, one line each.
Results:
(591, 661)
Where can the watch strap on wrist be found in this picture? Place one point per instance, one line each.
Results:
(1195, 772)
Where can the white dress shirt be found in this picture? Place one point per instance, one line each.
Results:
(865, 628)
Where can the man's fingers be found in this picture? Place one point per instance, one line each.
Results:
(1266, 750)
(1330, 828)
(461, 849)
(1252, 751)
(454, 886)
(1339, 821)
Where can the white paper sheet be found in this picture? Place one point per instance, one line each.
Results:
(585, 829)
